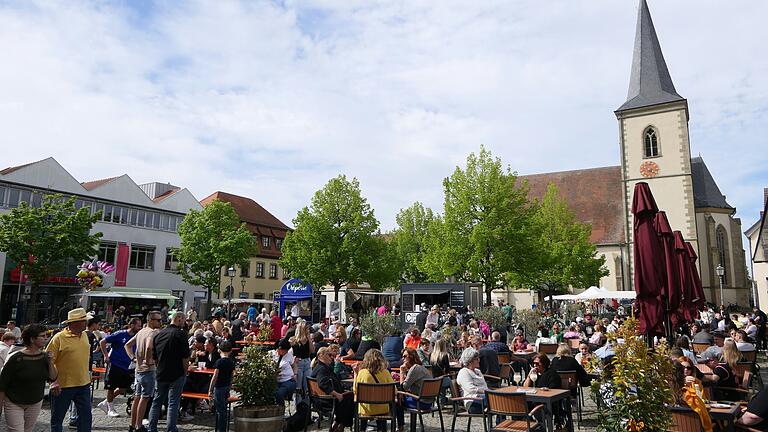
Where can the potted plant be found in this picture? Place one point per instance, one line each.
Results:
(256, 380)
(378, 327)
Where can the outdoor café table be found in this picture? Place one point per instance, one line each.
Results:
(706, 370)
(727, 414)
(546, 397)
(204, 371)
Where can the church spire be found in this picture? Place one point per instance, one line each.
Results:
(649, 82)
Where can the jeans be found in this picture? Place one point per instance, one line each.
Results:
(303, 370)
(144, 384)
(81, 396)
(284, 391)
(170, 390)
(220, 398)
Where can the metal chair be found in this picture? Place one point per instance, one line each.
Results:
(319, 401)
(570, 380)
(429, 393)
(460, 411)
(548, 348)
(514, 407)
(380, 394)
(749, 356)
(504, 357)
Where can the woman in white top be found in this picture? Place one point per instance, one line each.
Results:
(433, 318)
(471, 381)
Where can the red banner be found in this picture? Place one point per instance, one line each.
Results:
(121, 269)
(15, 275)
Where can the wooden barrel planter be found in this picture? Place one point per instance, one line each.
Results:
(259, 418)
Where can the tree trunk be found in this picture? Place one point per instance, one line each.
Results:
(208, 305)
(336, 290)
(488, 296)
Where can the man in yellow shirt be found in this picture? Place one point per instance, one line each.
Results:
(70, 354)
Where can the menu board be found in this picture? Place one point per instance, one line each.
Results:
(406, 301)
(457, 298)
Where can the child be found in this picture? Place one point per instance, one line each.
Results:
(220, 383)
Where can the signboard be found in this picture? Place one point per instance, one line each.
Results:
(410, 317)
(296, 288)
(335, 309)
(457, 298)
(407, 301)
(243, 295)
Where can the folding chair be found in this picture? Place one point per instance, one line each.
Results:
(380, 394)
(514, 407)
(318, 402)
(429, 393)
(460, 411)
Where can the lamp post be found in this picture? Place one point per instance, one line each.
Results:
(231, 274)
(242, 285)
(720, 270)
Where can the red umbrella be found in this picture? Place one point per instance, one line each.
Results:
(684, 277)
(648, 259)
(672, 290)
(699, 300)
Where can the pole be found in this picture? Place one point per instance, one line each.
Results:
(722, 300)
(229, 297)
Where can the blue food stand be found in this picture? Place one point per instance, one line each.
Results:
(296, 291)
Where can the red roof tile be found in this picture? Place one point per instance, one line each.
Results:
(166, 194)
(252, 213)
(594, 195)
(91, 185)
(14, 168)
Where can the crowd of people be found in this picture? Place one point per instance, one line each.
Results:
(151, 361)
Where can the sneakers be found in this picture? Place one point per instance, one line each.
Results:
(104, 406)
(204, 405)
(113, 413)
(186, 417)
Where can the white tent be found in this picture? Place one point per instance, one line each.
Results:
(593, 293)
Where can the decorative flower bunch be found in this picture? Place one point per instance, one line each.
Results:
(91, 274)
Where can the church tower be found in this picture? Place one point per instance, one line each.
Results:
(653, 131)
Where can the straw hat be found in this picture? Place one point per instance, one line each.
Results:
(77, 315)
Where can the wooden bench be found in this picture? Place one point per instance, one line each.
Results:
(206, 396)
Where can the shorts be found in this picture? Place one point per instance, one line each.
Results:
(118, 378)
(144, 385)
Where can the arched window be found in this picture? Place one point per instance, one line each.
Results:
(721, 239)
(651, 143)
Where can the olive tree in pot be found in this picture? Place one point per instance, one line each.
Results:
(378, 327)
(256, 380)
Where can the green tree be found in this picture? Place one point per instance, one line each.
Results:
(212, 239)
(335, 239)
(564, 255)
(408, 241)
(484, 235)
(41, 239)
(385, 266)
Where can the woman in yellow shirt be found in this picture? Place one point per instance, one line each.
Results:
(373, 370)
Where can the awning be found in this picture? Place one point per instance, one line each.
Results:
(242, 301)
(428, 292)
(127, 292)
(386, 293)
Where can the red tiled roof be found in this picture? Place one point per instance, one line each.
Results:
(166, 194)
(251, 212)
(594, 195)
(14, 168)
(91, 185)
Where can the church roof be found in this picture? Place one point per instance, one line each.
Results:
(594, 195)
(649, 82)
(706, 193)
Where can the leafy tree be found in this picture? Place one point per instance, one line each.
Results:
(335, 239)
(212, 239)
(408, 241)
(564, 255)
(385, 266)
(41, 239)
(484, 234)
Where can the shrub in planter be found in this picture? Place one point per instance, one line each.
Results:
(256, 380)
(378, 327)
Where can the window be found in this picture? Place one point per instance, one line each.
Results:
(245, 270)
(155, 220)
(36, 200)
(164, 220)
(120, 215)
(108, 252)
(13, 198)
(721, 239)
(651, 142)
(171, 261)
(259, 269)
(142, 258)
(273, 271)
(25, 196)
(278, 243)
(265, 242)
(107, 215)
(258, 296)
(286, 274)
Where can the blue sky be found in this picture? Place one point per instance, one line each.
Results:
(271, 99)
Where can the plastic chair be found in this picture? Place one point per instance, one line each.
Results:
(381, 394)
(317, 399)
(460, 411)
(429, 393)
(514, 407)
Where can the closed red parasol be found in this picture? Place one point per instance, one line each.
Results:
(649, 274)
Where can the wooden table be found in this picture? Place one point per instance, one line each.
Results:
(99, 370)
(546, 398)
(204, 371)
(706, 370)
(726, 414)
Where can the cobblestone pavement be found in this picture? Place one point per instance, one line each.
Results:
(204, 421)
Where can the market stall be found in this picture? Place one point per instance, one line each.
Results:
(295, 292)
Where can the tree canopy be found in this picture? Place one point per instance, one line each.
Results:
(211, 239)
(408, 241)
(41, 239)
(335, 240)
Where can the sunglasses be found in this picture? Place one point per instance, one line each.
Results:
(537, 363)
(688, 367)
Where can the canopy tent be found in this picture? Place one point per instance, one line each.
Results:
(126, 292)
(242, 301)
(594, 293)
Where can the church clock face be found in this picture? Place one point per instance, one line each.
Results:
(649, 169)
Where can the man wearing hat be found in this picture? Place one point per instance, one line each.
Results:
(286, 375)
(70, 353)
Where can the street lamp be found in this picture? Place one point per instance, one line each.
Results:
(720, 270)
(242, 284)
(231, 274)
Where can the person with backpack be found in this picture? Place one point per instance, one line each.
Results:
(220, 384)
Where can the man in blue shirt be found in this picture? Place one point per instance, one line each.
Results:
(119, 374)
(252, 313)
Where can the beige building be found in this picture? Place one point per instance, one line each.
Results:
(263, 276)
(655, 148)
(758, 253)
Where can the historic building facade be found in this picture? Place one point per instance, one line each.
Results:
(758, 254)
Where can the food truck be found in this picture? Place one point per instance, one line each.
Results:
(446, 295)
(354, 301)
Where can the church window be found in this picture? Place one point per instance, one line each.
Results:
(651, 143)
(721, 239)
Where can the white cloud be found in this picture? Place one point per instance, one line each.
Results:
(271, 99)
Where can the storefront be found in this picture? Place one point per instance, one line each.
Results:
(445, 295)
(295, 292)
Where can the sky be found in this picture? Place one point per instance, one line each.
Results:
(271, 99)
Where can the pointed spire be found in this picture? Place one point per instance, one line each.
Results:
(649, 82)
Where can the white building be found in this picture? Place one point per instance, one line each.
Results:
(758, 254)
(138, 223)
